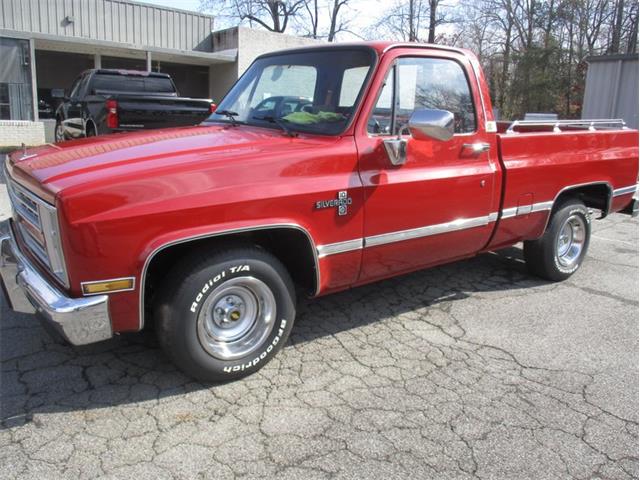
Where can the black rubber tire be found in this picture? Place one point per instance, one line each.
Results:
(540, 254)
(176, 322)
(90, 130)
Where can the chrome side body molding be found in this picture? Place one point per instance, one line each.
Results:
(402, 235)
(526, 209)
(453, 226)
(429, 230)
(625, 190)
(340, 247)
(460, 224)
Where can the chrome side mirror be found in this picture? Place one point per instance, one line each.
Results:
(425, 124)
(431, 124)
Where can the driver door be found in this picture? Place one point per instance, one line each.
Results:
(438, 205)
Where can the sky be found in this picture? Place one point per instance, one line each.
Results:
(363, 13)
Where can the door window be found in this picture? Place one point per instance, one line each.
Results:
(423, 83)
(380, 122)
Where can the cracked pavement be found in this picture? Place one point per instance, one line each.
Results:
(471, 370)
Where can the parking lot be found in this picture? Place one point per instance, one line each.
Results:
(471, 370)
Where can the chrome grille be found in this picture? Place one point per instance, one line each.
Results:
(23, 204)
(37, 224)
(25, 209)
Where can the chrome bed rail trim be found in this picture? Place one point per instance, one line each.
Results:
(590, 124)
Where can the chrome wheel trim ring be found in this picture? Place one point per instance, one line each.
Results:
(236, 318)
(570, 241)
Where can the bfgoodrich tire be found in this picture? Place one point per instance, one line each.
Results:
(559, 253)
(223, 316)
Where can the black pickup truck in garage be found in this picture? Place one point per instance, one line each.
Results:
(107, 101)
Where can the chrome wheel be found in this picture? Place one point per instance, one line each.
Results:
(571, 241)
(236, 318)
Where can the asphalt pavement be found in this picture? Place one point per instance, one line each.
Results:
(471, 370)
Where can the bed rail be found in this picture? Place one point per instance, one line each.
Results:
(592, 125)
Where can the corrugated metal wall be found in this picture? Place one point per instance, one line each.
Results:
(612, 89)
(110, 20)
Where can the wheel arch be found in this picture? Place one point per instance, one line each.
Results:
(596, 194)
(292, 244)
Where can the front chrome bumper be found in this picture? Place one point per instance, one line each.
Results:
(78, 320)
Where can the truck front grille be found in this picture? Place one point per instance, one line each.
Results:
(27, 220)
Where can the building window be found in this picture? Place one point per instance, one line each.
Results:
(16, 96)
(5, 111)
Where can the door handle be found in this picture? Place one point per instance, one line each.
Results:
(476, 147)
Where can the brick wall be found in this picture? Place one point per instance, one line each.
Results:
(13, 133)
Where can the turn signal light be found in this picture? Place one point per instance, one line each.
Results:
(116, 285)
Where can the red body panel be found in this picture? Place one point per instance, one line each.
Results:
(540, 165)
(123, 197)
(439, 183)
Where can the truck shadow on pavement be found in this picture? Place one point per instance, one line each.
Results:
(41, 375)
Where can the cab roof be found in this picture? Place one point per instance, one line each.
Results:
(379, 47)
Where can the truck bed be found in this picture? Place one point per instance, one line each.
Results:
(541, 161)
(159, 111)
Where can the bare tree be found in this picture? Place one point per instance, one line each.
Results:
(433, 20)
(337, 25)
(311, 7)
(616, 31)
(631, 28)
(273, 15)
(323, 19)
(411, 21)
(401, 21)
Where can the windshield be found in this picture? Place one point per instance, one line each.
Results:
(313, 92)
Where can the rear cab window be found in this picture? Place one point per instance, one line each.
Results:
(114, 82)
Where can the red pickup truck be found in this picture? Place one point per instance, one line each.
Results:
(323, 169)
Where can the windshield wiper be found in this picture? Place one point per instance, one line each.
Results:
(230, 115)
(278, 121)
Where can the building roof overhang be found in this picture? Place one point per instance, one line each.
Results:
(60, 43)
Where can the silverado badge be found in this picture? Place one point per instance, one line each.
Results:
(342, 202)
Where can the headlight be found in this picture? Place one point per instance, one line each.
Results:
(51, 231)
(38, 224)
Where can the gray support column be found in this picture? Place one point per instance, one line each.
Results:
(97, 60)
(148, 61)
(613, 108)
(34, 80)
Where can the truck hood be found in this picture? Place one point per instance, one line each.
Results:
(52, 168)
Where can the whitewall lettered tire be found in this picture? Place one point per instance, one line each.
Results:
(224, 316)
